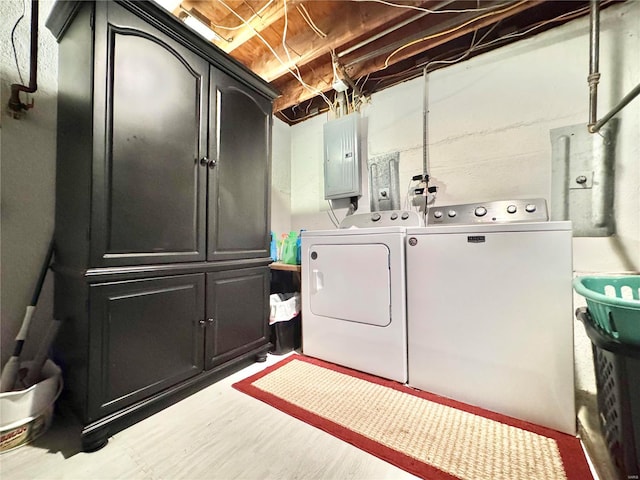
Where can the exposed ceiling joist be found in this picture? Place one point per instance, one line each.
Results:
(378, 42)
(356, 22)
(266, 17)
(321, 77)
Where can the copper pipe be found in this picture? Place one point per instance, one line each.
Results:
(14, 101)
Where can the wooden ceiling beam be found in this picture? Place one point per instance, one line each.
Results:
(273, 12)
(357, 21)
(259, 16)
(321, 77)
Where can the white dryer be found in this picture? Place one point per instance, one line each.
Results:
(354, 296)
(490, 317)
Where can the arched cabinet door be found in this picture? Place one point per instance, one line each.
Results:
(149, 178)
(240, 174)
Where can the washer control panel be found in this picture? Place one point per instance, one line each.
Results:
(387, 218)
(507, 211)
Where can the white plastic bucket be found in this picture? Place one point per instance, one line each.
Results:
(26, 414)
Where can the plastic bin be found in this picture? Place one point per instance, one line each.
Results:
(27, 414)
(614, 305)
(617, 371)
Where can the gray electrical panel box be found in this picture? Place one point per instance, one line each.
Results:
(342, 177)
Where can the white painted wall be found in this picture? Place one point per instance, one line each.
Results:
(490, 119)
(27, 172)
(281, 178)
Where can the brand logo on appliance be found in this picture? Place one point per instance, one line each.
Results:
(475, 239)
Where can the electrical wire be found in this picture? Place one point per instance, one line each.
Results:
(13, 43)
(450, 30)
(298, 120)
(307, 18)
(480, 45)
(422, 9)
(297, 76)
(336, 222)
(284, 36)
(564, 16)
(406, 198)
(332, 220)
(238, 27)
(286, 50)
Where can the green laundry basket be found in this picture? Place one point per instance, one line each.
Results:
(614, 305)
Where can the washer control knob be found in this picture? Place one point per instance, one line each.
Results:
(480, 211)
(530, 208)
(375, 217)
(404, 215)
(512, 209)
(394, 216)
(437, 214)
(451, 213)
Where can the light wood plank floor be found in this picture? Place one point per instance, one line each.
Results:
(217, 433)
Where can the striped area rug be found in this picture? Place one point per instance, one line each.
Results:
(424, 434)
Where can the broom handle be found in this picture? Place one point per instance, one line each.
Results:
(10, 370)
(33, 375)
(43, 274)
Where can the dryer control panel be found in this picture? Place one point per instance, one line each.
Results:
(387, 218)
(503, 211)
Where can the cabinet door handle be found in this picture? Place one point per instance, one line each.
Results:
(203, 161)
(212, 163)
(201, 322)
(210, 320)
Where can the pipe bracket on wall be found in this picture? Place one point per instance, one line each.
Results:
(582, 179)
(384, 183)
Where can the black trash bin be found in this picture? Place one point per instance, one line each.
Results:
(285, 336)
(617, 370)
(285, 323)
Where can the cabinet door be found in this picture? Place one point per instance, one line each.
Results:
(237, 313)
(145, 336)
(239, 184)
(149, 186)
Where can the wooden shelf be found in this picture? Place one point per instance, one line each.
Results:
(285, 266)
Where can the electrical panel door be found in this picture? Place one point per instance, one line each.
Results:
(342, 158)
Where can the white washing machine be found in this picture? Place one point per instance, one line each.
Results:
(489, 308)
(354, 296)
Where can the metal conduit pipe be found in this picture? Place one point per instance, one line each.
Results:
(425, 124)
(14, 101)
(623, 103)
(594, 124)
(594, 58)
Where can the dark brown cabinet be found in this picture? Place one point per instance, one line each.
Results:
(161, 212)
(238, 226)
(146, 336)
(233, 330)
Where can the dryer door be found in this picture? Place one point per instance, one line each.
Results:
(350, 282)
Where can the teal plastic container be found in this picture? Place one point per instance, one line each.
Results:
(614, 305)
